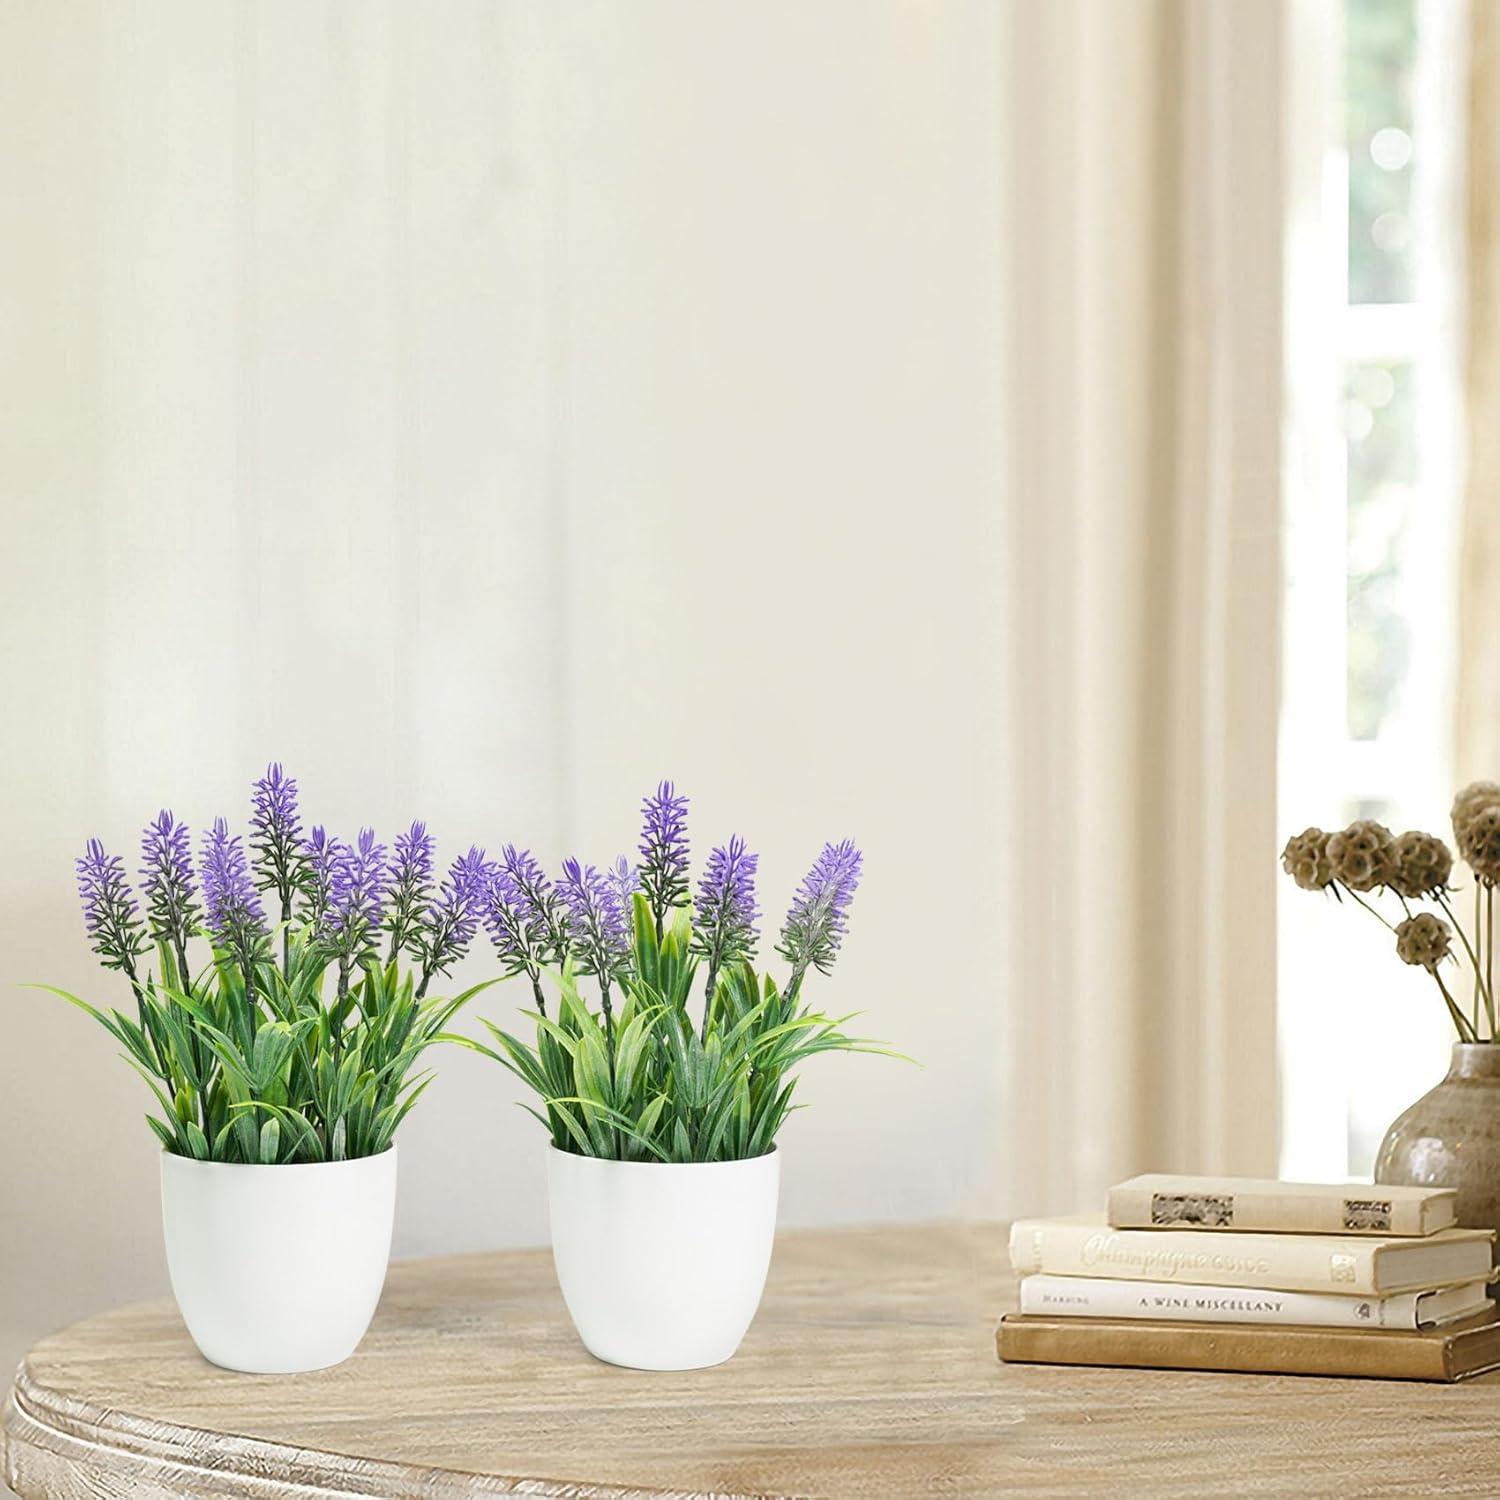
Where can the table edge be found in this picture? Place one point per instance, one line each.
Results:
(54, 1446)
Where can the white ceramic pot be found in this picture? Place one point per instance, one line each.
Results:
(662, 1266)
(278, 1269)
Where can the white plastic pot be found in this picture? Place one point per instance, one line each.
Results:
(278, 1269)
(662, 1266)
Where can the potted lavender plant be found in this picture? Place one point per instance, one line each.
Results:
(662, 1165)
(282, 1065)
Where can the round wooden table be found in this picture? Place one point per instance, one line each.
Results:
(870, 1370)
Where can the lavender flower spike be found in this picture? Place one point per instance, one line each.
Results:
(411, 886)
(519, 939)
(449, 924)
(356, 898)
(276, 835)
(505, 918)
(816, 924)
(726, 913)
(170, 891)
(624, 880)
(110, 912)
(233, 912)
(597, 919)
(545, 912)
(664, 852)
(320, 853)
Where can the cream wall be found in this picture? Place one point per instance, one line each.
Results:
(487, 409)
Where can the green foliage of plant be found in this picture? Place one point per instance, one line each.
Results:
(644, 1083)
(282, 1076)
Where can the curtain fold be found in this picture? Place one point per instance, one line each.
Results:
(1145, 421)
(1477, 688)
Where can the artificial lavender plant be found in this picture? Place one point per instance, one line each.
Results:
(638, 1078)
(295, 1039)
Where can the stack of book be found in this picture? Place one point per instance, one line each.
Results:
(1210, 1273)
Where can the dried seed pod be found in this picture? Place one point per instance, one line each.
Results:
(1305, 859)
(1423, 940)
(1362, 855)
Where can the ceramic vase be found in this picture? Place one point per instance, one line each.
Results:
(1451, 1137)
(662, 1265)
(278, 1269)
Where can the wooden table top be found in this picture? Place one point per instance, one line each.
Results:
(869, 1371)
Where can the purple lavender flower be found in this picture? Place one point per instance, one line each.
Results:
(538, 901)
(599, 935)
(519, 938)
(319, 852)
(724, 925)
(449, 924)
(726, 913)
(110, 912)
(664, 852)
(170, 890)
(356, 897)
(411, 885)
(276, 835)
(233, 912)
(511, 919)
(597, 921)
(625, 880)
(505, 920)
(815, 925)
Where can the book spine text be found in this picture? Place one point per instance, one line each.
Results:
(1099, 1297)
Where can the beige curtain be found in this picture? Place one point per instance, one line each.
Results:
(1477, 737)
(1145, 417)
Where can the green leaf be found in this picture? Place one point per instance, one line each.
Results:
(616, 1119)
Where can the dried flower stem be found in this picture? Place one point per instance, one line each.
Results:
(1481, 984)
(1466, 1032)
(1478, 932)
(1360, 899)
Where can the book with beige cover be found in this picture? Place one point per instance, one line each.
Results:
(1103, 1297)
(1443, 1354)
(1366, 1266)
(1160, 1200)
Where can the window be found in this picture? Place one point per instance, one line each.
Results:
(1370, 543)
